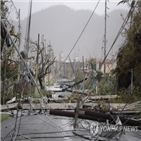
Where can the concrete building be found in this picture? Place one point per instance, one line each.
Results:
(110, 65)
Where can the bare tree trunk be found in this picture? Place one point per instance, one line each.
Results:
(40, 81)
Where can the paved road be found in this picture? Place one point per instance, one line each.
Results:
(32, 127)
(46, 127)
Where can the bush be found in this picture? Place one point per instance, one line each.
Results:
(125, 96)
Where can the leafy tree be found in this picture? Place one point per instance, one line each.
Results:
(92, 63)
(106, 85)
(129, 56)
(8, 64)
(79, 76)
(3, 12)
(99, 76)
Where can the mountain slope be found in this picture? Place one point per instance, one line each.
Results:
(62, 26)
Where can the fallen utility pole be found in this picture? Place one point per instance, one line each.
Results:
(96, 116)
(79, 82)
(72, 114)
(71, 86)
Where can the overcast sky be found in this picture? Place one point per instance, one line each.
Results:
(74, 4)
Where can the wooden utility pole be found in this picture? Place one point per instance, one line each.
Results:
(37, 58)
(45, 48)
(19, 47)
(77, 111)
(131, 81)
(105, 36)
(4, 82)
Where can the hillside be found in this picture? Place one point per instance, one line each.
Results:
(62, 26)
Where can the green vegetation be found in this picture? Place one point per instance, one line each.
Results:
(74, 98)
(22, 54)
(106, 85)
(129, 57)
(10, 69)
(37, 95)
(51, 83)
(125, 96)
(92, 63)
(4, 116)
(8, 95)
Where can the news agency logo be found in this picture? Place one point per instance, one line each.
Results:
(96, 128)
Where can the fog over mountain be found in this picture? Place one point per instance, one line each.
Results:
(62, 26)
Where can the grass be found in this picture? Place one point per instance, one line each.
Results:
(36, 95)
(4, 117)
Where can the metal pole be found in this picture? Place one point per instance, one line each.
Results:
(28, 30)
(84, 47)
(105, 36)
(45, 47)
(49, 60)
(83, 62)
(4, 81)
(19, 47)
